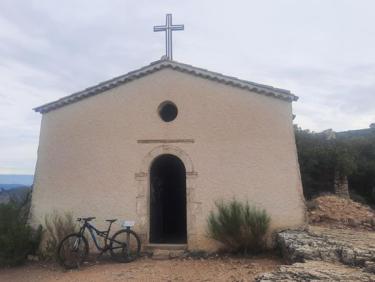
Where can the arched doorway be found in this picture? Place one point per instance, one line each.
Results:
(168, 200)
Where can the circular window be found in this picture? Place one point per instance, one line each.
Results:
(167, 111)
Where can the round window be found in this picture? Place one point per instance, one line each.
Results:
(167, 111)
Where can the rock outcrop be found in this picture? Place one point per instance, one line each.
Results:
(320, 253)
(315, 271)
(353, 248)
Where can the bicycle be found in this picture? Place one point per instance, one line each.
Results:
(124, 245)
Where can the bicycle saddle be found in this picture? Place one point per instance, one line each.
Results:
(86, 218)
(111, 220)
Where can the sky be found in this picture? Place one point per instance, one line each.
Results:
(322, 51)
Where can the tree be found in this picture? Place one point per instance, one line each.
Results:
(322, 156)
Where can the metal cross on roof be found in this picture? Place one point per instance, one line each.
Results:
(168, 28)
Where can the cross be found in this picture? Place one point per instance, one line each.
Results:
(168, 28)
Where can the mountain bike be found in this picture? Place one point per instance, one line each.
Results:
(124, 245)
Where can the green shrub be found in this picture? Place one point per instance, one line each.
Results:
(57, 227)
(241, 227)
(17, 238)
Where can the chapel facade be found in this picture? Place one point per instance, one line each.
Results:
(160, 145)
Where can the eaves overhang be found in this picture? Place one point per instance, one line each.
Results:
(163, 64)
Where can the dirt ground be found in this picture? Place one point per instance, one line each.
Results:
(146, 269)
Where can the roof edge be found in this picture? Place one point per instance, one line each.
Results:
(161, 64)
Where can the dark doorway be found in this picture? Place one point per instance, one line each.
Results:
(168, 200)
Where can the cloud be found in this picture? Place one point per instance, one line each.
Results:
(321, 50)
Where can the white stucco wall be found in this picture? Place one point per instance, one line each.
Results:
(90, 162)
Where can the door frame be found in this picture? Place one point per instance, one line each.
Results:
(193, 205)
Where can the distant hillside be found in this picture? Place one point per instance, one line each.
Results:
(11, 181)
(17, 194)
(11, 186)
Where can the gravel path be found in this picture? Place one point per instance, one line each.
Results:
(145, 269)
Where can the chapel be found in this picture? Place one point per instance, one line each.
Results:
(161, 144)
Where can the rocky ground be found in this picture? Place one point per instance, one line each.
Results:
(325, 254)
(354, 248)
(339, 244)
(316, 271)
(145, 269)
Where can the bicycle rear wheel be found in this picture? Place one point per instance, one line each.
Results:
(125, 246)
(72, 251)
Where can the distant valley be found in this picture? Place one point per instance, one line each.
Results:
(14, 186)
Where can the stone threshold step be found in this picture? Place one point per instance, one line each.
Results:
(159, 254)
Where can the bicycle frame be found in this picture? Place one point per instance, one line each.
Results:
(96, 232)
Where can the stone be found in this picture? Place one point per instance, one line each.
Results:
(341, 186)
(370, 266)
(32, 258)
(316, 270)
(334, 211)
(327, 254)
(176, 254)
(350, 247)
(353, 222)
(160, 254)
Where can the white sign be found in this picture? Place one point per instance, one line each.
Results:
(128, 223)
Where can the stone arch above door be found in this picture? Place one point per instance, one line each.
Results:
(166, 149)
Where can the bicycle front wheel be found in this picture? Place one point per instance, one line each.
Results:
(72, 251)
(125, 246)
